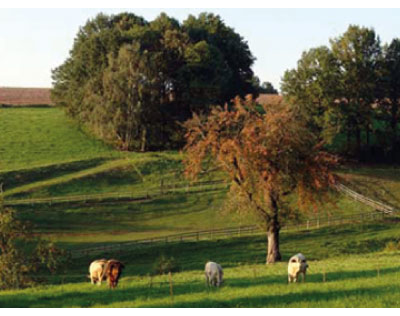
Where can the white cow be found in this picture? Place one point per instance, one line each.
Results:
(96, 271)
(297, 265)
(214, 274)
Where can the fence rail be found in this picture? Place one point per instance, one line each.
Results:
(228, 233)
(165, 188)
(202, 186)
(379, 206)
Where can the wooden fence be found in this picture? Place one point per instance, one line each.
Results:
(228, 233)
(176, 187)
(379, 206)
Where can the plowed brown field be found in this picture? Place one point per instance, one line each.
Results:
(25, 96)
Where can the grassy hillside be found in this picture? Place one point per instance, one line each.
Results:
(378, 182)
(43, 154)
(349, 267)
(54, 158)
(42, 136)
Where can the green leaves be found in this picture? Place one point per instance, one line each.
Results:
(18, 261)
(129, 79)
(337, 89)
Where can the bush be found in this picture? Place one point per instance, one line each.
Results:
(22, 255)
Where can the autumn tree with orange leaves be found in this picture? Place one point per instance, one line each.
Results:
(267, 154)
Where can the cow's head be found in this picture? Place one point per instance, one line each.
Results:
(302, 262)
(298, 262)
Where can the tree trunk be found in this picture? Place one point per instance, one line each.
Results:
(393, 124)
(273, 254)
(358, 142)
(348, 141)
(143, 141)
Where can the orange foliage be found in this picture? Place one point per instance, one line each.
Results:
(266, 152)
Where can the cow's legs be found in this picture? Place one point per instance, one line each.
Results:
(99, 279)
(207, 279)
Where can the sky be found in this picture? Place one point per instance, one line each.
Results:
(35, 41)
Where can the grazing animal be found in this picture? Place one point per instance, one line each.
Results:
(297, 265)
(96, 271)
(214, 274)
(112, 272)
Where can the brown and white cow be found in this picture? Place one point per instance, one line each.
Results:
(112, 272)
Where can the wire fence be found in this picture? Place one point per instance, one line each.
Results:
(381, 211)
(215, 234)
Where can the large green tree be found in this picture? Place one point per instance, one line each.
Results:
(131, 94)
(188, 67)
(358, 53)
(336, 88)
(390, 95)
(311, 89)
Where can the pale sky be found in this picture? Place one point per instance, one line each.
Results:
(34, 41)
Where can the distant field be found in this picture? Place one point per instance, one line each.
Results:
(25, 96)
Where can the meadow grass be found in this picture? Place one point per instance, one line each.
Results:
(44, 154)
(341, 274)
(136, 172)
(42, 136)
(378, 182)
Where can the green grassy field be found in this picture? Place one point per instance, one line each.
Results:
(349, 267)
(44, 154)
(41, 136)
(64, 171)
(378, 182)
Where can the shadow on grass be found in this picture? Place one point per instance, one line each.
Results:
(13, 179)
(160, 289)
(313, 277)
(320, 298)
(101, 295)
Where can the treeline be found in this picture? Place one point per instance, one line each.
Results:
(132, 82)
(349, 93)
